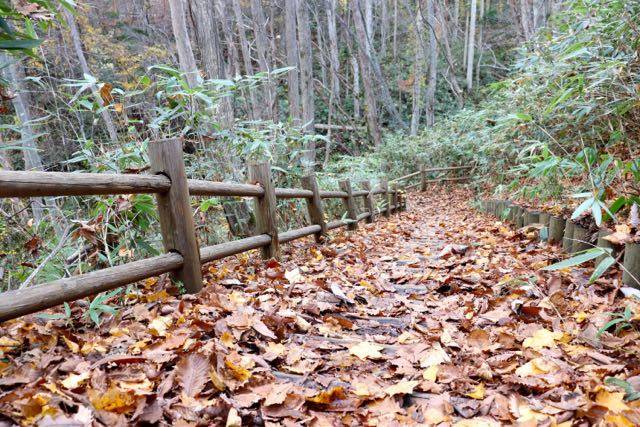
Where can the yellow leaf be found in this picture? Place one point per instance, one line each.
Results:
(7, 343)
(216, 380)
(542, 338)
(366, 350)
(161, 296)
(431, 373)
(326, 397)
(617, 421)
(74, 347)
(74, 381)
(435, 356)
(478, 393)
(113, 400)
(612, 401)
(238, 372)
(536, 366)
(227, 339)
(403, 387)
(580, 317)
(158, 326)
(233, 419)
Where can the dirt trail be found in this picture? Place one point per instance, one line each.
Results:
(437, 315)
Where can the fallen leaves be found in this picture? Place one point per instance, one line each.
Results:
(437, 316)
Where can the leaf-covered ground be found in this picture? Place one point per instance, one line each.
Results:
(439, 315)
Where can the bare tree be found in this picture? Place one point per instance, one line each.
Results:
(471, 44)
(77, 45)
(246, 55)
(306, 80)
(264, 60)
(433, 64)
(293, 60)
(418, 71)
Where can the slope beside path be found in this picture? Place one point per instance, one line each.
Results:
(437, 315)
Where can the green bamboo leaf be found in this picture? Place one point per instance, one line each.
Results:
(576, 260)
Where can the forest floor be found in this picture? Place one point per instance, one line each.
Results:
(437, 315)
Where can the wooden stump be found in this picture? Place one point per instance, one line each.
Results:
(532, 217)
(631, 274)
(520, 217)
(605, 244)
(580, 239)
(556, 229)
(567, 242)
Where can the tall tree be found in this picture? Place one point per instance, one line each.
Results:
(471, 44)
(433, 64)
(183, 42)
(369, 93)
(418, 70)
(264, 58)
(206, 25)
(293, 60)
(254, 112)
(84, 66)
(306, 79)
(334, 53)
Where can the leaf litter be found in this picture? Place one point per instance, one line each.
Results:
(438, 315)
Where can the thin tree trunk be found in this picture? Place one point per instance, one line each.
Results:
(246, 55)
(334, 54)
(395, 30)
(471, 48)
(227, 32)
(77, 45)
(291, 43)
(356, 87)
(433, 65)
(206, 25)
(321, 46)
(369, 94)
(384, 28)
(418, 71)
(306, 82)
(372, 65)
(466, 42)
(183, 44)
(262, 49)
(453, 81)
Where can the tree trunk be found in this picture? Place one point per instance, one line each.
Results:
(444, 38)
(254, 112)
(433, 64)
(369, 93)
(395, 30)
(472, 43)
(183, 44)
(262, 49)
(28, 134)
(480, 36)
(77, 45)
(306, 81)
(384, 28)
(373, 66)
(206, 25)
(356, 87)
(291, 43)
(418, 71)
(234, 61)
(334, 54)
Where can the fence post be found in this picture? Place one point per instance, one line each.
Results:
(423, 178)
(368, 201)
(385, 187)
(350, 204)
(395, 197)
(176, 218)
(314, 205)
(265, 208)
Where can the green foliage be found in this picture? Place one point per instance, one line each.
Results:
(621, 321)
(99, 306)
(630, 393)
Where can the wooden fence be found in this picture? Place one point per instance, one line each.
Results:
(183, 257)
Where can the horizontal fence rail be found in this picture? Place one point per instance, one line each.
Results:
(183, 258)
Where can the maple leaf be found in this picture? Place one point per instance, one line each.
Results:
(542, 338)
(403, 387)
(612, 401)
(74, 381)
(192, 372)
(367, 350)
(478, 393)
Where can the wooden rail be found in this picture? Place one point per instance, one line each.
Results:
(183, 258)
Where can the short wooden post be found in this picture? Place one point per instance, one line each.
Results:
(384, 184)
(605, 244)
(350, 204)
(368, 201)
(556, 229)
(580, 239)
(265, 208)
(423, 178)
(176, 218)
(631, 263)
(314, 206)
(394, 196)
(567, 239)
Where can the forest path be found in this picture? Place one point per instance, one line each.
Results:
(438, 314)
